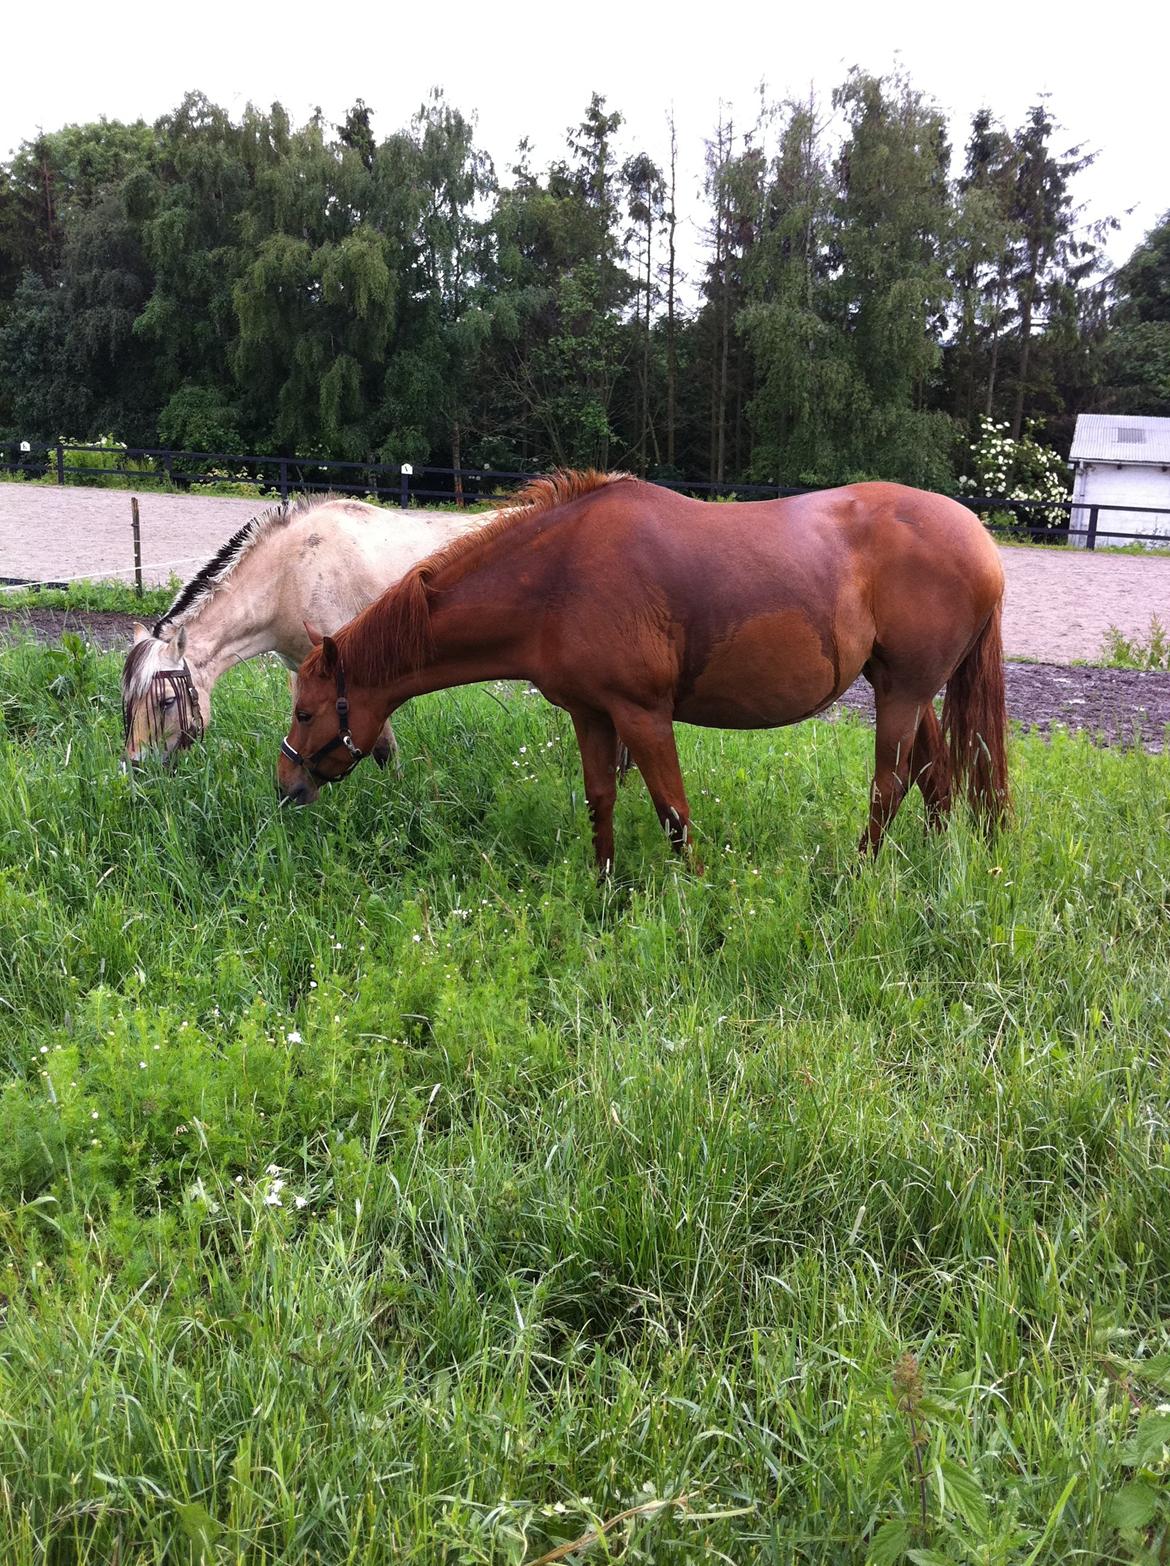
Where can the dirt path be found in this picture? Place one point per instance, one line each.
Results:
(1060, 604)
(57, 534)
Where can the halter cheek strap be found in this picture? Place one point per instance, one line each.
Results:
(342, 737)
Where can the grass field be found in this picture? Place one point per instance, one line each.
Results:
(375, 1187)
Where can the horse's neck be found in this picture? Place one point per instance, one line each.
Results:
(232, 626)
(475, 635)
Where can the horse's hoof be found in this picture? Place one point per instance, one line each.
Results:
(382, 752)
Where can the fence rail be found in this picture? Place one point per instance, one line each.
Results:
(281, 476)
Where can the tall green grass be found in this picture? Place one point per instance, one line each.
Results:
(374, 1186)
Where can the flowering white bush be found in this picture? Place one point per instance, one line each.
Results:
(1017, 469)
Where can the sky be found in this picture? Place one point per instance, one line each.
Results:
(526, 69)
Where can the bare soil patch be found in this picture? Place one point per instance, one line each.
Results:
(1115, 706)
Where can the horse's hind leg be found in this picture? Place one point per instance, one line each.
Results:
(386, 748)
(898, 721)
(930, 768)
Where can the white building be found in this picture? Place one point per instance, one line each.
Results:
(1119, 459)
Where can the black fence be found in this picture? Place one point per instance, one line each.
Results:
(1059, 522)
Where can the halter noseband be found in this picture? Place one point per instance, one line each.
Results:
(343, 737)
(181, 684)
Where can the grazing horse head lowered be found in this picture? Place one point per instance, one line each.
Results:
(316, 558)
(164, 710)
(344, 734)
(634, 608)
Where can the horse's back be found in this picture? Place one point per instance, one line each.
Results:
(762, 612)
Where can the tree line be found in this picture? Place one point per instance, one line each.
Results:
(867, 295)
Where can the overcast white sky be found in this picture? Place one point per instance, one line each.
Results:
(528, 69)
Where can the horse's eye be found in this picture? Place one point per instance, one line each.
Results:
(303, 717)
(168, 702)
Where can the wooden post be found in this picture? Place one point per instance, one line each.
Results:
(60, 463)
(1091, 536)
(137, 545)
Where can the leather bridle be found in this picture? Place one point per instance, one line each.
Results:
(180, 683)
(342, 737)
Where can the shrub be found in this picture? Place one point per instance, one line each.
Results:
(1020, 469)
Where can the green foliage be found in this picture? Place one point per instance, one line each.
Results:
(107, 466)
(100, 597)
(1022, 469)
(845, 289)
(1137, 350)
(375, 1186)
(1122, 653)
(196, 418)
(230, 284)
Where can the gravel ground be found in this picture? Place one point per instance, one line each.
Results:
(1116, 706)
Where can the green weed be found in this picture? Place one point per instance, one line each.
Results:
(1119, 652)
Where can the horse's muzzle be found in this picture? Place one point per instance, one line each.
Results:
(299, 794)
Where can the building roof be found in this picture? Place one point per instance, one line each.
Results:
(1120, 437)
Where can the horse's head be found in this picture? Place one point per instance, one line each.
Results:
(334, 725)
(162, 710)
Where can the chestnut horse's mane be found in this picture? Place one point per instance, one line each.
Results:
(393, 634)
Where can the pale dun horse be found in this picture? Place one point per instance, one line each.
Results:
(320, 560)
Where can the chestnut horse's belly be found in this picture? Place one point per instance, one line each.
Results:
(773, 669)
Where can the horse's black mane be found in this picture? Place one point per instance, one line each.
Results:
(224, 562)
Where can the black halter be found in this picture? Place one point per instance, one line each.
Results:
(181, 686)
(343, 737)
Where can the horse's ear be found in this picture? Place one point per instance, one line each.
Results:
(312, 633)
(329, 658)
(180, 641)
(140, 632)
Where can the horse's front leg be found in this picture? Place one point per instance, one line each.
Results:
(598, 742)
(650, 737)
(386, 747)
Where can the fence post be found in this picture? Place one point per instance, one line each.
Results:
(405, 472)
(284, 479)
(134, 528)
(60, 463)
(1091, 535)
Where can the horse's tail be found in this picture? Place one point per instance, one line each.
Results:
(974, 721)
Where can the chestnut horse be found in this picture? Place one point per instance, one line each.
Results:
(635, 608)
